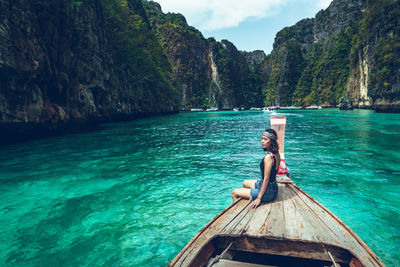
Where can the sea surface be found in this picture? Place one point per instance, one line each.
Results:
(134, 193)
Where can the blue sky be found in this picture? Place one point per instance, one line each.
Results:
(248, 24)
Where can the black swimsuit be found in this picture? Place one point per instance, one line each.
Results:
(272, 189)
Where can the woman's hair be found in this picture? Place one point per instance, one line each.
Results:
(274, 147)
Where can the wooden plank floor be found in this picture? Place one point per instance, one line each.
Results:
(294, 215)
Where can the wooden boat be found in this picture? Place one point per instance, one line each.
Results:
(293, 230)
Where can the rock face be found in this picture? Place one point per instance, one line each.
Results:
(208, 73)
(61, 64)
(310, 60)
(188, 53)
(238, 80)
(376, 61)
(67, 63)
(345, 104)
(350, 49)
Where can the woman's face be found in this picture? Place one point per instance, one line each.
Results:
(265, 142)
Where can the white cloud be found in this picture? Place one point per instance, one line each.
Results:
(322, 4)
(219, 14)
(209, 15)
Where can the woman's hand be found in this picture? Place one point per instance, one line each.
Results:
(255, 203)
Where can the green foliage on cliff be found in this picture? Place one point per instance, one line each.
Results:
(242, 85)
(387, 63)
(136, 52)
(330, 71)
(305, 73)
(381, 26)
(186, 49)
(301, 70)
(287, 65)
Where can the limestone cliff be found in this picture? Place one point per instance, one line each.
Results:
(349, 49)
(208, 73)
(66, 62)
(375, 73)
(188, 53)
(310, 60)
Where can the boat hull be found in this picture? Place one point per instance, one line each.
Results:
(294, 227)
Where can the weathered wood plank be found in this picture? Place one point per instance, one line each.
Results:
(294, 225)
(283, 179)
(322, 222)
(258, 220)
(228, 263)
(275, 223)
(231, 220)
(193, 250)
(242, 224)
(346, 237)
(229, 228)
(313, 229)
(202, 256)
(284, 247)
(218, 224)
(306, 232)
(207, 230)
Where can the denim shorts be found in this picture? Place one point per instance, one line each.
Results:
(270, 194)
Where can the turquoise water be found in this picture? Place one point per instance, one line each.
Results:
(134, 193)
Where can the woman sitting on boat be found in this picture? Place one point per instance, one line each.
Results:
(266, 188)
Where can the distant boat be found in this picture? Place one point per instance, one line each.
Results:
(290, 108)
(196, 109)
(314, 107)
(293, 230)
(212, 109)
(235, 109)
(255, 108)
(269, 109)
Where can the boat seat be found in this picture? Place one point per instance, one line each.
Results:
(229, 263)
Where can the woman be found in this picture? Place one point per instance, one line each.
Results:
(266, 188)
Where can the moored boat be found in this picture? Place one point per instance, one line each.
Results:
(290, 108)
(313, 107)
(293, 230)
(269, 109)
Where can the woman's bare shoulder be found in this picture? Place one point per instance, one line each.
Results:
(269, 157)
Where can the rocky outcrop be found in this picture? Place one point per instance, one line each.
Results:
(69, 63)
(359, 81)
(349, 49)
(310, 60)
(378, 63)
(60, 66)
(345, 104)
(254, 58)
(209, 74)
(188, 53)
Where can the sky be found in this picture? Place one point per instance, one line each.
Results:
(249, 24)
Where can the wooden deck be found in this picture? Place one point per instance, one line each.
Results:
(293, 225)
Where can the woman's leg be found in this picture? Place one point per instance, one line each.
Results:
(240, 192)
(249, 183)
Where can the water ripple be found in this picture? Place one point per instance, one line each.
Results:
(135, 193)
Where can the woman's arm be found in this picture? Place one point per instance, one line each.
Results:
(268, 162)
